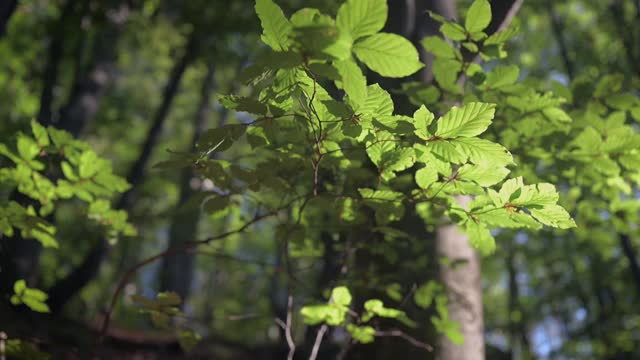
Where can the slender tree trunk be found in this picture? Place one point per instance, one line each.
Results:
(464, 282)
(7, 8)
(66, 288)
(465, 292)
(630, 254)
(517, 328)
(557, 26)
(177, 271)
(87, 92)
(56, 48)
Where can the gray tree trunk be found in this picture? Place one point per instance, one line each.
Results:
(464, 290)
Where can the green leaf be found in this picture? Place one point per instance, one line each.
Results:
(378, 102)
(19, 286)
(389, 55)
(240, 103)
(361, 334)
(426, 293)
(341, 296)
(447, 150)
(467, 121)
(480, 237)
(484, 174)
(500, 77)
(275, 26)
(556, 115)
(353, 81)
(446, 73)
(27, 148)
(471, 46)
(33, 298)
(188, 339)
(438, 47)
(501, 36)
(453, 31)
(483, 151)
(422, 118)
(554, 216)
(478, 16)
(40, 133)
(362, 17)
(425, 177)
(220, 139)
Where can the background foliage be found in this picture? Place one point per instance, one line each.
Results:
(237, 179)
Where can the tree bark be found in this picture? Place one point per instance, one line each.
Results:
(7, 8)
(66, 288)
(465, 292)
(177, 271)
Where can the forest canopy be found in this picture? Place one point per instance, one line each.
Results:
(321, 179)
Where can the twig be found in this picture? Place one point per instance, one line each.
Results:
(170, 251)
(287, 328)
(316, 344)
(411, 340)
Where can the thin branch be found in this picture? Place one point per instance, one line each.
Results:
(411, 340)
(170, 251)
(316, 344)
(286, 326)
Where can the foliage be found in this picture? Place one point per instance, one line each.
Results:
(74, 171)
(321, 181)
(299, 121)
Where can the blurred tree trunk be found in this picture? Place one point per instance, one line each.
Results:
(177, 271)
(80, 276)
(87, 91)
(630, 254)
(69, 20)
(7, 8)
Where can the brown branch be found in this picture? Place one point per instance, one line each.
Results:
(170, 251)
(411, 340)
(316, 344)
(286, 327)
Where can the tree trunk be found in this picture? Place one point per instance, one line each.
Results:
(465, 292)
(7, 8)
(87, 92)
(177, 271)
(66, 288)
(463, 282)
(630, 254)
(56, 49)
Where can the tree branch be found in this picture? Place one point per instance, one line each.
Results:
(316, 344)
(411, 340)
(170, 251)
(7, 9)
